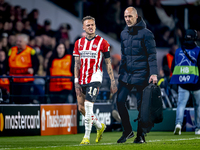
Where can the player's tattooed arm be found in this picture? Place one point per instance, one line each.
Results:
(111, 75)
(77, 66)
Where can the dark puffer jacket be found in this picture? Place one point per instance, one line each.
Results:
(138, 51)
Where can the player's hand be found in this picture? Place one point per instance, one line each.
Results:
(78, 89)
(153, 78)
(30, 70)
(113, 87)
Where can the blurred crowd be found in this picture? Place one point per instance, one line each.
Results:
(14, 21)
(167, 24)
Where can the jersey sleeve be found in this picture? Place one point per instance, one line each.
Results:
(106, 46)
(76, 52)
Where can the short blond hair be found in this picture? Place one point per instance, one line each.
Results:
(88, 18)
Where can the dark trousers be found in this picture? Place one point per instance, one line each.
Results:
(123, 91)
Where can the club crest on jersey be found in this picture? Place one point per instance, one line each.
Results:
(94, 46)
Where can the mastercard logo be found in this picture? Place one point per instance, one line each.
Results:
(1, 122)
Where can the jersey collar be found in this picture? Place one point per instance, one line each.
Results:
(91, 38)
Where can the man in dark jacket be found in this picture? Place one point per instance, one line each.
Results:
(138, 66)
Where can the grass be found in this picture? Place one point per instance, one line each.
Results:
(155, 141)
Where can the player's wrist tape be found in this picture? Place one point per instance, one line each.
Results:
(76, 80)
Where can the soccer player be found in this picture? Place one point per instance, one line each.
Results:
(89, 52)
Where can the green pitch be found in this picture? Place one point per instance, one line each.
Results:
(155, 141)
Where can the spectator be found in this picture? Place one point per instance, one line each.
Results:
(11, 13)
(166, 68)
(5, 42)
(22, 61)
(31, 42)
(185, 67)
(33, 17)
(68, 45)
(62, 33)
(112, 19)
(149, 11)
(8, 26)
(24, 14)
(46, 45)
(45, 62)
(38, 44)
(3, 67)
(137, 5)
(60, 64)
(167, 60)
(11, 41)
(1, 26)
(4, 82)
(165, 19)
(46, 29)
(3, 5)
(27, 28)
(19, 26)
(18, 15)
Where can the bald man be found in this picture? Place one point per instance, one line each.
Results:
(138, 67)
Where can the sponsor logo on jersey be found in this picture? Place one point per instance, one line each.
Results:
(88, 54)
(94, 46)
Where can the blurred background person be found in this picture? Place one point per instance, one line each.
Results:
(22, 61)
(167, 61)
(60, 65)
(63, 32)
(46, 29)
(11, 40)
(4, 82)
(33, 18)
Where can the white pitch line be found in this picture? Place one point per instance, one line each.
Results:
(151, 141)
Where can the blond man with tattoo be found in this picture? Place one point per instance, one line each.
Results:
(89, 52)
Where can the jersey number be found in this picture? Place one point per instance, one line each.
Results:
(92, 91)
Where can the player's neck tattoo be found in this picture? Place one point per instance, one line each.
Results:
(89, 37)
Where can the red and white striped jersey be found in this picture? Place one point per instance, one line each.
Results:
(91, 53)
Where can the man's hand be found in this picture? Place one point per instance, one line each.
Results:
(153, 78)
(113, 87)
(30, 70)
(78, 89)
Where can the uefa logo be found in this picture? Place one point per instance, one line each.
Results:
(1, 122)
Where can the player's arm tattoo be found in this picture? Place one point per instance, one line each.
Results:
(111, 75)
(76, 75)
(77, 66)
(109, 69)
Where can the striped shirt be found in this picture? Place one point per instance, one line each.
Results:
(90, 53)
